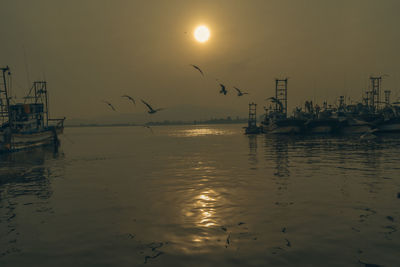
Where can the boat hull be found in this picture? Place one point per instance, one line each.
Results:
(253, 130)
(355, 129)
(282, 129)
(285, 126)
(21, 141)
(389, 126)
(321, 126)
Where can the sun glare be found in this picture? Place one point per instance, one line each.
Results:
(202, 34)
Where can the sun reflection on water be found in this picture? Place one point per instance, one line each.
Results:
(202, 212)
(204, 131)
(205, 206)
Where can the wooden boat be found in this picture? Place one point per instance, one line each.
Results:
(26, 125)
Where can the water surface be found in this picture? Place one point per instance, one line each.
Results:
(200, 196)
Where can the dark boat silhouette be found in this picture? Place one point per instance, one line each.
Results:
(27, 125)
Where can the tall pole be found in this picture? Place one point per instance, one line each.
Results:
(6, 93)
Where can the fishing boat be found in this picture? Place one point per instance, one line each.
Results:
(321, 126)
(278, 123)
(276, 120)
(317, 120)
(390, 120)
(26, 125)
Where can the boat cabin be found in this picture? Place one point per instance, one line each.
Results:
(27, 117)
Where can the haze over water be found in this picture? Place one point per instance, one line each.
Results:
(200, 196)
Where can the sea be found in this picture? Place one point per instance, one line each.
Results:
(201, 195)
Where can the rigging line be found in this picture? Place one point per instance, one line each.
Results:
(9, 86)
(26, 67)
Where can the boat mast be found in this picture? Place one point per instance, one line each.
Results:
(281, 94)
(252, 122)
(375, 93)
(40, 88)
(4, 70)
(387, 97)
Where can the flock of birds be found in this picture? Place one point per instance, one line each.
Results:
(151, 110)
(222, 86)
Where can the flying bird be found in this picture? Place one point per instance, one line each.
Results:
(151, 110)
(130, 98)
(240, 93)
(197, 68)
(110, 105)
(223, 90)
(276, 101)
(148, 127)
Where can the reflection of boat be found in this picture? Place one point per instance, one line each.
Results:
(26, 125)
(16, 167)
(25, 179)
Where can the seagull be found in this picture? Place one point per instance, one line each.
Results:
(151, 110)
(223, 90)
(148, 127)
(240, 93)
(130, 98)
(275, 100)
(197, 68)
(110, 105)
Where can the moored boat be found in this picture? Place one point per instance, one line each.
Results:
(354, 126)
(322, 126)
(277, 123)
(26, 125)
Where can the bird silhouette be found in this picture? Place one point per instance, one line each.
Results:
(223, 90)
(197, 68)
(240, 93)
(275, 100)
(130, 98)
(148, 127)
(110, 105)
(151, 110)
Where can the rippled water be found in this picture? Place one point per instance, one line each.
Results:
(201, 196)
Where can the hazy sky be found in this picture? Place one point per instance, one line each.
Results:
(96, 50)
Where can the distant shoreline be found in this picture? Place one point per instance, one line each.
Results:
(163, 123)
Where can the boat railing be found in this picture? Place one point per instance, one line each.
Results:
(59, 122)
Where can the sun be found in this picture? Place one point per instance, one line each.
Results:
(202, 34)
